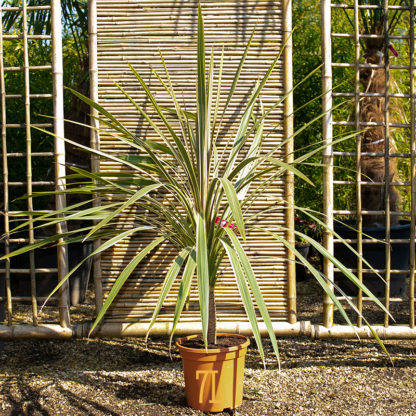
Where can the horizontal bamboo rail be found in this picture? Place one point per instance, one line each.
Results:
(38, 37)
(281, 329)
(31, 68)
(28, 8)
(363, 332)
(23, 154)
(368, 7)
(372, 66)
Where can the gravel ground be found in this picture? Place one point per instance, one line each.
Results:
(122, 377)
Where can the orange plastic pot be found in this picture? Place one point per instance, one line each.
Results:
(214, 379)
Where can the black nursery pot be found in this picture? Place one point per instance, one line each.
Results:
(46, 282)
(2, 300)
(374, 253)
(303, 249)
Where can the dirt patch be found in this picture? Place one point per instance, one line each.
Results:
(223, 341)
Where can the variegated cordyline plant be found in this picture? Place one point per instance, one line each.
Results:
(189, 191)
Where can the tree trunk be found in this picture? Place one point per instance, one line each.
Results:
(212, 318)
(373, 169)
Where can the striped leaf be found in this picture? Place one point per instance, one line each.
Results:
(255, 289)
(184, 288)
(245, 295)
(202, 273)
(167, 284)
(234, 205)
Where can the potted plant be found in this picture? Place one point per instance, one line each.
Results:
(207, 222)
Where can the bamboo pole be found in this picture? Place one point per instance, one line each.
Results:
(346, 332)
(162, 329)
(374, 123)
(28, 8)
(372, 66)
(289, 148)
(328, 306)
(95, 138)
(58, 102)
(370, 7)
(29, 161)
(412, 169)
(358, 161)
(5, 178)
(49, 331)
(32, 68)
(387, 158)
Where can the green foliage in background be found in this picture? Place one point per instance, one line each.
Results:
(75, 56)
(306, 57)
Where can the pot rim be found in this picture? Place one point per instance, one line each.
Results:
(179, 345)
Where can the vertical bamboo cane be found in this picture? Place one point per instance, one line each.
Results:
(387, 156)
(412, 168)
(5, 176)
(95, 138)
(58, 102)
(327, 154)
(29, 162)
(358, 161)
(288, 131)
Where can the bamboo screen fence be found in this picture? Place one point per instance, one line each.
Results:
(362, 55)
(134, 32)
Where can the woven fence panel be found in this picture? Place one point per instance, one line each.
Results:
(134, 32)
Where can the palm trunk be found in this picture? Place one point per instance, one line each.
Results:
(373, 140)
(212, 318)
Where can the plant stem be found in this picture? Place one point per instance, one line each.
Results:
(212, 318)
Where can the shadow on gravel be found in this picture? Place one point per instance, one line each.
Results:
(23, 400)
(173, 395)
(85, 405)
(304, 352)
(93, 355)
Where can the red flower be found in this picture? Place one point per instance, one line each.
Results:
(225, 223)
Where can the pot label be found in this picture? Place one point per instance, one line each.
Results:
(205, 384)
